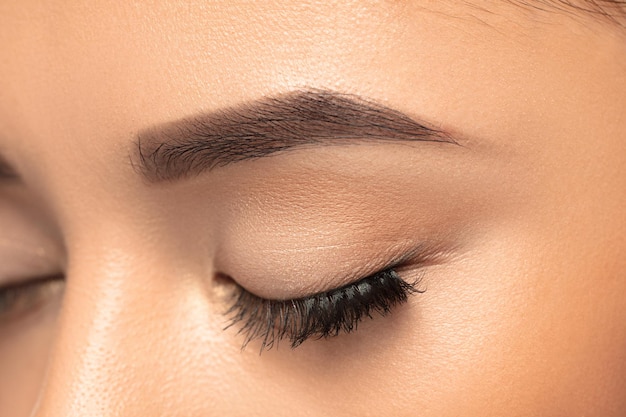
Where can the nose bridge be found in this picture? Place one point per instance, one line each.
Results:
(105, 360)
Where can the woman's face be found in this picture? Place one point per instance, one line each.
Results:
(478, 148)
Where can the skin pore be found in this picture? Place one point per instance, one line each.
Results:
(513, 226)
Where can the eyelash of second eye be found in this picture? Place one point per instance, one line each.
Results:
(26, 295)
(321, 315)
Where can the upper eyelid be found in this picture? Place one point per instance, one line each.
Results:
(392, 265)
(30, 283)
(403, 254)
(22, 262)
(418, 256)
(315, 294)
(347, 282)
(39, 252)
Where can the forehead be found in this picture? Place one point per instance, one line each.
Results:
(80, 43)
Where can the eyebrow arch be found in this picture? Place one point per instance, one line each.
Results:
(268, 126)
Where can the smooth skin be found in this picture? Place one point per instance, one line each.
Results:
(524, 310)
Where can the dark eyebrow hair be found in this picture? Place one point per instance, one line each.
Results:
(613, 11)
(269, 126)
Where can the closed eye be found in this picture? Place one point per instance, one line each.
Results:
(18, 300)
(321, 315)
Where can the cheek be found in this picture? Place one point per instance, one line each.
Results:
(23, 358)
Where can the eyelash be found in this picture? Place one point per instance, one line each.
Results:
(21, 298)
(322, 315)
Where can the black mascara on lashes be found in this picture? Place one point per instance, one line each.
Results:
(322, 315)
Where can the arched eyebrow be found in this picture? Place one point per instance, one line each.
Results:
(269, 126)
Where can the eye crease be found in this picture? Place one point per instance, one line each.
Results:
(322, 315)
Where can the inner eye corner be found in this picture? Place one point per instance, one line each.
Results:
(225, 282)
(222, 287)
(222, 278)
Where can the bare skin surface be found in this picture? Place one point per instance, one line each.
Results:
(521, 214)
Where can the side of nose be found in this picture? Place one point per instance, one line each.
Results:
(125, 340)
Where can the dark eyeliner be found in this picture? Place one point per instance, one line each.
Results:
(321, 315)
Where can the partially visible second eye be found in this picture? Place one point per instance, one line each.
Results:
(18, 300)
(321, 315)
